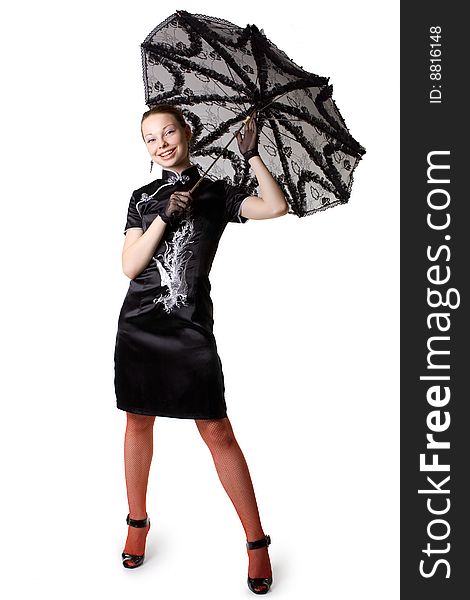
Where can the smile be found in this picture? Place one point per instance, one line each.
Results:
(168, 153)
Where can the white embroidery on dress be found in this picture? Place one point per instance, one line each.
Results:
(144, 198)
(178, 178)
(172, 267)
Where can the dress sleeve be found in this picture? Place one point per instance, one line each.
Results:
(234, 197)
(133, 217)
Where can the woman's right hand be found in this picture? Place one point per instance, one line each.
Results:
(176, 206)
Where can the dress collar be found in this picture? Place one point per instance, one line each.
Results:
(190, 174)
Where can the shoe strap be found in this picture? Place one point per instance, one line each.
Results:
(133, 557)
(264, 541)
(137, 522)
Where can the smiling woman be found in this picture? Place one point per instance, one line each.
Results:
(166, 359)
(165, 142)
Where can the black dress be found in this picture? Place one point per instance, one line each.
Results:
(165, 360)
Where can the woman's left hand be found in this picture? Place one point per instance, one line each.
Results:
(249, 142)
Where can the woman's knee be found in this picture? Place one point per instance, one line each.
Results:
(140, 422)
(216, 431)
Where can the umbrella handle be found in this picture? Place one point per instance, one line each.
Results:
(212, 163)
(249, 117)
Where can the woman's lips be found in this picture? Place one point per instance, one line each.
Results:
(168, 155)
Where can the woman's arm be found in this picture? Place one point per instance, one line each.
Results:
(272, 202)
(139, 247)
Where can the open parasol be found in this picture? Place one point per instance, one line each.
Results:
(219, 74)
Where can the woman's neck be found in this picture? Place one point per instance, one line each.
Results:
(180, 167)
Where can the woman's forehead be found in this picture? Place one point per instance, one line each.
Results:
(160, 120)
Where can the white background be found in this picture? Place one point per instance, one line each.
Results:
(306, 322)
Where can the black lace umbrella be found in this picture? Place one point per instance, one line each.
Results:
(218, 74)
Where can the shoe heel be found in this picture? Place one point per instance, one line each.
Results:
(137, 559)
(257, 582)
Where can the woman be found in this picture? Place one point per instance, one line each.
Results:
(166, 360)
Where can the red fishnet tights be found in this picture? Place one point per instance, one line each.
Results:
(235, 477)
(138, 452)
(231, 468)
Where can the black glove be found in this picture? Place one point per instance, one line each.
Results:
(174, 210)
(248, 145)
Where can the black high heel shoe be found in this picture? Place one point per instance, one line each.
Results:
(257, 582)
(137, 559)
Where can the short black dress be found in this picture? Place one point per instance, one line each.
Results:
(165, 360)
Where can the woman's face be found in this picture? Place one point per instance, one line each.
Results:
(166, 140)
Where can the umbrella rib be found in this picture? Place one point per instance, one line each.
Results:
(159, 52)
(262, 70)
(228, 95)
(290, 120)
(280, 133)
(286, 63)
(210, 38)
(338, 134)
(284, 165)
(335, 127)
(231, 75)
(328, 169)
(273, 99)
(223, 128)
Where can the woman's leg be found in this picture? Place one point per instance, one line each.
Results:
(235, 477)
(138, 451)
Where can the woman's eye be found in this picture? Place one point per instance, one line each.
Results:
(166, 132)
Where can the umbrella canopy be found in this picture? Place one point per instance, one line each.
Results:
(218, 74)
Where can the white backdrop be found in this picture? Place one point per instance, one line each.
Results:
(306, 321)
